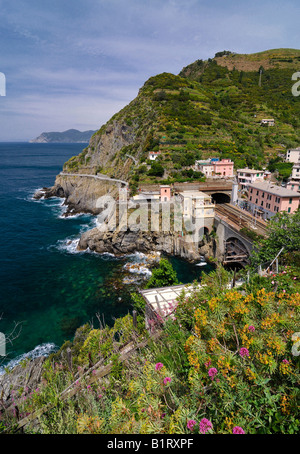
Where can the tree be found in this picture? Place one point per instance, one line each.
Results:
(163, 276)
(284, 231)
(156, 170)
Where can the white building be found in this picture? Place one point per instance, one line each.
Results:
(293, 155)
(197, 204)
(268, 122)
(153, 155)
(296, 172)
(248, 176)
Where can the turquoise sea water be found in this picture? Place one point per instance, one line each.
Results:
(47, 288)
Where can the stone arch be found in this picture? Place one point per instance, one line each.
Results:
(236, 251)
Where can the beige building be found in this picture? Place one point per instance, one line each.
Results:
(296, 172)
(197, 205)
(293, 155)
(267, 122)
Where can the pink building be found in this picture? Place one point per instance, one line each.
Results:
(224, 167)
(165, 193)
(293, 185)
(267, 199)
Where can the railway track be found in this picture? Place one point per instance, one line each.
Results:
(241, 219)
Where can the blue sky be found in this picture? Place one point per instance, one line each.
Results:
(74, 63)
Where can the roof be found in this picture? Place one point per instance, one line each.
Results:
(165, 298)
(271, 188)
(195, 194)
(250, 170)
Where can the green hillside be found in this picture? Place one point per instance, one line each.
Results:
(212, 108)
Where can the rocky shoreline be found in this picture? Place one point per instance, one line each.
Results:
(122, 241)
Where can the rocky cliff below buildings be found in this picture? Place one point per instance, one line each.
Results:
(121, 242)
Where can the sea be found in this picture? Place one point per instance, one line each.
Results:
(47, 288)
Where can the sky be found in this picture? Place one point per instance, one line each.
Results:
(75, 63)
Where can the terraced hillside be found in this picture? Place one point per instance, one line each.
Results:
(212, 107)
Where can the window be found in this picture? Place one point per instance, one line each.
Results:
(290, 201)
(289, 209)
(256, 201)
(250, 198)
(263, 194)
(262, 203)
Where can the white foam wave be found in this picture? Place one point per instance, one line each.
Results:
(68, 245)
(40, 350)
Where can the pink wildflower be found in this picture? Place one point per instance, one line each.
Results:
(208, 363)
(159, 366)
(237, 430)
(285, 361)
(244, 352)
(251, 328)
(212, 372)
(205, 425)
(167, 380)
(190, 424)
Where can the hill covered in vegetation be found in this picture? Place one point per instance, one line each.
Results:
(212, 108)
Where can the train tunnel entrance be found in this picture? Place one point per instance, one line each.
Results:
(220, 197)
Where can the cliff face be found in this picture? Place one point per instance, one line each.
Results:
(128, 241)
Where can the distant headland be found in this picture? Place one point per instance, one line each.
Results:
(69, 136)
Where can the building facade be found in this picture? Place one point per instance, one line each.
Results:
(296, 172)
(248, 176)
(215, 167)
(293, 185)
(267, 199)
(153, 155)
(293, 155)
(267, 122)
(197, 205)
